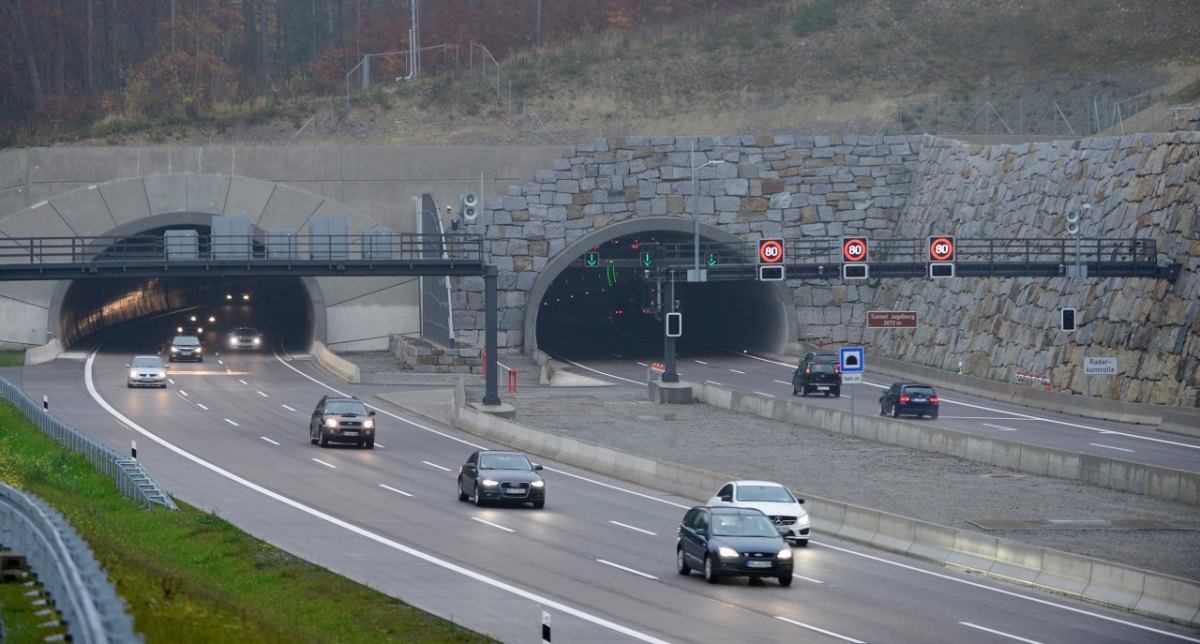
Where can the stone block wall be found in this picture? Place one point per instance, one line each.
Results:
(423, 356)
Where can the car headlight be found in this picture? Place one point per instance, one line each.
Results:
(133, 373)
(233, 342)
(212, 318)
(369, 423)
(331, 422)
(725, 552)
(199, 329)
(179, 329)
(784, 554)
(229, 296)
(198, 349)
(174, 349)
(490, 482)
(256, 341)
(538, 484)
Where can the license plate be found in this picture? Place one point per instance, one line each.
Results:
(758, 564)
(822, 388)
(350, 433)
(514, 491)
(919, 400)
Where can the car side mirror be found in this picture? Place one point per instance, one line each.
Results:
(728, 498)
(701, 532)
(371, 413)
(537, 467)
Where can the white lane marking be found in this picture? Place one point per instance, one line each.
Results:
(808, 579)
(642, 364)
(700, 362)
(378, 445)
(617, 355)
(262, 394)
(1013, 415)
(232, 423)
(243, 381)
(713, 382)
(765, 394)
(623, 525)
(183, 393)
(221, 362)
(1119, 449)
(1009, 593)
(1000, 633)
(171, 380)
(1000, 427)
(329, 465)
(444, 469)
(783, 382)
(609, 375)
(268, 440)
(494, 525)
(736, 371)
(819, 630)
(620, 567)
(388, 487)
(288, 408)
(201, 406)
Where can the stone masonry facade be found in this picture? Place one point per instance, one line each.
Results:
(902, 187)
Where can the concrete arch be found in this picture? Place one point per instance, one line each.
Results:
(573, 251)
(33, 311)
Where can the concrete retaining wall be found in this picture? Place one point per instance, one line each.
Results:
(335, 364)
(1140, 591)
(1158, 482)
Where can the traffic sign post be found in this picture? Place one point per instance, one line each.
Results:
(853, 362)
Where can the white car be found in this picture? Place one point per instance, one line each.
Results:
(772, 499)
(146, 371)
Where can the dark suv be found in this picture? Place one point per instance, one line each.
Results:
(909, 398)
(819, 372)
(338, 419)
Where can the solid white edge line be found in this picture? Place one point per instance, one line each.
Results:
(620, 567)
(494, 525)
(269, 440)
(608, 375)
(362, 532)
(624, 525)
(1010, 593)
(388, 487)
(329, 465)
(819, 630)
(1000, 427)
(765, 394)
(1120, 449)
(1000, 633)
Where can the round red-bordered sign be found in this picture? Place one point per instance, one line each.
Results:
(854, 249)
(770, 251)
(941, 249)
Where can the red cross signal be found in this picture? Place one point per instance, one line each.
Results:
(941, 249)
(854, 249)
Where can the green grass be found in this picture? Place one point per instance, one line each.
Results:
(12, 357)
(190, 576)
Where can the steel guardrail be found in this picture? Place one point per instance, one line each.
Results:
(82, 594)
(131, 479)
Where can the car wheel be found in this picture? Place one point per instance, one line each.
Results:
(478, 497)
(803, 543)
(324, 439)
(795, 392)
(785, 580)
(933, 416)
(804, 391)
(129, 385)
(895, 411)
(710, 572)
(538, 505)
(370, 443)
(461, 495)
(681, 562)
(882, 410)
(837, 393)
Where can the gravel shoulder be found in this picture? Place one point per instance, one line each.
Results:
(1130, 529)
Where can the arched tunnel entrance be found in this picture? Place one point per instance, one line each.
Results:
(615, 308)
(211, 307)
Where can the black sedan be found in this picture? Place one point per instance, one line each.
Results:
(732, 542)
(500, 476)
(910, 398)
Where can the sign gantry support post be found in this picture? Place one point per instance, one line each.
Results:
(670, 375)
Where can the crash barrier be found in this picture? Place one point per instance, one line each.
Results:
(1139, 591)
(65, 566)
(335, 364)
(1126, 476)
(655, 371)
(131, 479)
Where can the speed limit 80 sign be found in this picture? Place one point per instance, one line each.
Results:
(854, 249)
(770, 251)
(941, 248)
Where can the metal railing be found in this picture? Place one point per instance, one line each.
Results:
(82, 593)
(131, 479)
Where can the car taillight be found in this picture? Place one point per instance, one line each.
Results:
(808, 370)
(905, 399)
(837, 368)
(933, 400)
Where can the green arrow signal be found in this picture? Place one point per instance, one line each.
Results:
(712, 259)
(647, 259)
(591, 260)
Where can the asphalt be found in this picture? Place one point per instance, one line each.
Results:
(1119, 527)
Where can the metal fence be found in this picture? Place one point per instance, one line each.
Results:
(437, 316)
(131, 479)
(82, 593)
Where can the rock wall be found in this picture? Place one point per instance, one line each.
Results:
(1142, 186)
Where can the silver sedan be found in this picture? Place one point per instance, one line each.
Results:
(147, 371)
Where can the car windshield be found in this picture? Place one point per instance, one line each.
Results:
(146, 361)
(825, 357)
(919, 391)
(504, 462)
(345, 407)
(186, 340)
(764, 493)
(244, 331)
(743, 525)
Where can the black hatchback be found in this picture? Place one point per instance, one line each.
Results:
(912, 398)
(732, 542)
(818, 373)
